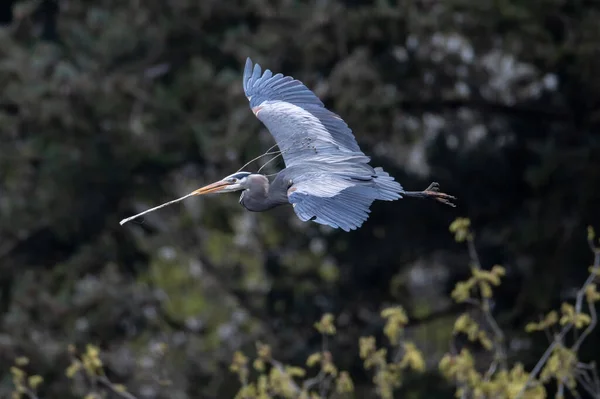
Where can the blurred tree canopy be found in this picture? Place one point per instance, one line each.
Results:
(108, 107)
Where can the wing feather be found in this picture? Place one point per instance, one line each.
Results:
(331, 180)
(340, 201)
(347, 210)
(297, 119)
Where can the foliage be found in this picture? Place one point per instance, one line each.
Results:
(559, 363)
(265, 377)
(292, 382)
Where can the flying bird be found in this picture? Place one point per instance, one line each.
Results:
(327, 178)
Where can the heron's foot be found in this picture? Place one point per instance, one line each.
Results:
(433, 191)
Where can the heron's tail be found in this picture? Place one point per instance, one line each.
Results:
(388, 188)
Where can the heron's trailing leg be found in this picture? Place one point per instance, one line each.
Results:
(433, 191)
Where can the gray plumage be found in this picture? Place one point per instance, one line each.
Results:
(327, 177)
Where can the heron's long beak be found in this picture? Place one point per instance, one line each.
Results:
(212, 188)
(216, 187)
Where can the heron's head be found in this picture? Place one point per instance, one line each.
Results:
(235, 182)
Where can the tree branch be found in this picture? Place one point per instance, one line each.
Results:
(560, 337)
(105, 382)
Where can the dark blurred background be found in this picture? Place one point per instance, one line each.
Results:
(109, 107)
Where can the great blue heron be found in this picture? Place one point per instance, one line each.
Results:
(327, 178)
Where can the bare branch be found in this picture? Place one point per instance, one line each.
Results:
(105, 382)
(311, 382)
(561, 390)
(322, 385)
(31, 394)
(279, 366)
(595, 378)
(560, 337)
(485, 306)
(580, 294)
(590, 327)
(585, 380)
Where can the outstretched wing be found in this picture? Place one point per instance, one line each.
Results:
(331, 180)
(302, 127)
(340, 200)
(347, 210)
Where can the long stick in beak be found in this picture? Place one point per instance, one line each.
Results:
(204, 190)
(122, 222)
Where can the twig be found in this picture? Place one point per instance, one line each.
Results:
(594, 373)
(561, 390)
(585, 381)
(491, 370)
(31, 394)
(590, 327)
(281, 369)
(322, 386)
(579, 301)
(321, 378)
(311, 382)
(325, 387)
(485, 307)
(105, 382)
(538, 367)
(560, 337)
(574, 393)
(399, 352)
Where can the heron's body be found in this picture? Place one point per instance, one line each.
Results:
(327, 178)
(261, 196)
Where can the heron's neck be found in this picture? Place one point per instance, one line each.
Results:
(262, 198)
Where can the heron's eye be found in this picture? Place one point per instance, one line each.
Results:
(233, 180)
